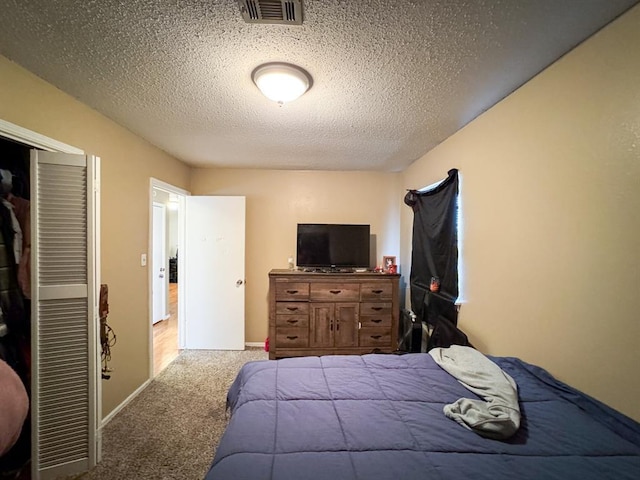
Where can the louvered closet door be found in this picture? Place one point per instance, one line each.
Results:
(64, 286)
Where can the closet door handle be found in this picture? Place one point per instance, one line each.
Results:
(292, 322)
(335, 292)
(292, 292)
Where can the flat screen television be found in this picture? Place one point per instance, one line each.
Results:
(326, 245)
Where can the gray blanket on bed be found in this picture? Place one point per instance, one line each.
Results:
(498, 416)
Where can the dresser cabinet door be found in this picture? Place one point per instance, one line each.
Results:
(321, 325)
(346, 325)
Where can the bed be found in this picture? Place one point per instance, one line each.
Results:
(378, 417)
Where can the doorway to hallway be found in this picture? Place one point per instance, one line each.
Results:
(202, 271)
(166, 300)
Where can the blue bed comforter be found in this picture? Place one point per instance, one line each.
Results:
(376, 417)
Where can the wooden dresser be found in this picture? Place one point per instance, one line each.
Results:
(332, 313)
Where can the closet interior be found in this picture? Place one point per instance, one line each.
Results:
(15, 310)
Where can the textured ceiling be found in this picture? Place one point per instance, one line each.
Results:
(392, 78)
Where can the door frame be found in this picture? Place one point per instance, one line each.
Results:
(155, 183)
(34, 139)
(154, 270)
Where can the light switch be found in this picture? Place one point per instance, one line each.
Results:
(143, 260)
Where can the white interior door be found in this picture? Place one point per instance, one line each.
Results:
(159, 262)
(214, 271)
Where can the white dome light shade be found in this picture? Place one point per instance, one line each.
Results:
(281, 82)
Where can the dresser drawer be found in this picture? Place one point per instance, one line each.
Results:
(292, 291)
(376, 308)
(292, 337)
(292, 321)
(375, 321)
(376, 291)
(334, 292)
(292, 308)
(374, 337)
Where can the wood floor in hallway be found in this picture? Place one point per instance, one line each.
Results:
(165, 334)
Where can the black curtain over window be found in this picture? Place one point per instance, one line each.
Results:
(435, 250)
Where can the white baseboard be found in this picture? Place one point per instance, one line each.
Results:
(254, 344)
(126, 401)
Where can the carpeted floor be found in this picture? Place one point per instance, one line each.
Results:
(171, 430)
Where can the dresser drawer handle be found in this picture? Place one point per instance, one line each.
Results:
(292, 337)
(376, 337)
(292, 309)
(377, 309)
(335, 292)
(292, 292)
(376, 320)
(377, 291)
(292, 321)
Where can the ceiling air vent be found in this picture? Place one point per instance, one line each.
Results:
(281, 12)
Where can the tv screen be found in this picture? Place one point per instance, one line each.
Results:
(324, 245)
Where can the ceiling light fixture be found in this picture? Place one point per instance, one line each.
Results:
(281, 82)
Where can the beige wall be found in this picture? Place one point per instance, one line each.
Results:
(278, 200)
(551, 194)
(127, 164)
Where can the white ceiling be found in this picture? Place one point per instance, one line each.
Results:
(392, 78)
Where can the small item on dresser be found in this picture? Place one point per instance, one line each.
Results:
(435, 284)
(393, 269)
(291, 264)
(387, 261)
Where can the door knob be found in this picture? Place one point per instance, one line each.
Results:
(239, 282)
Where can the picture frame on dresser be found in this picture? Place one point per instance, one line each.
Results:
(387, 261)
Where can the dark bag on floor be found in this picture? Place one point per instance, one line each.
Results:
(410, 333)
(445, 334)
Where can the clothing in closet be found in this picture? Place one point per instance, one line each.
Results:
(15, 324)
